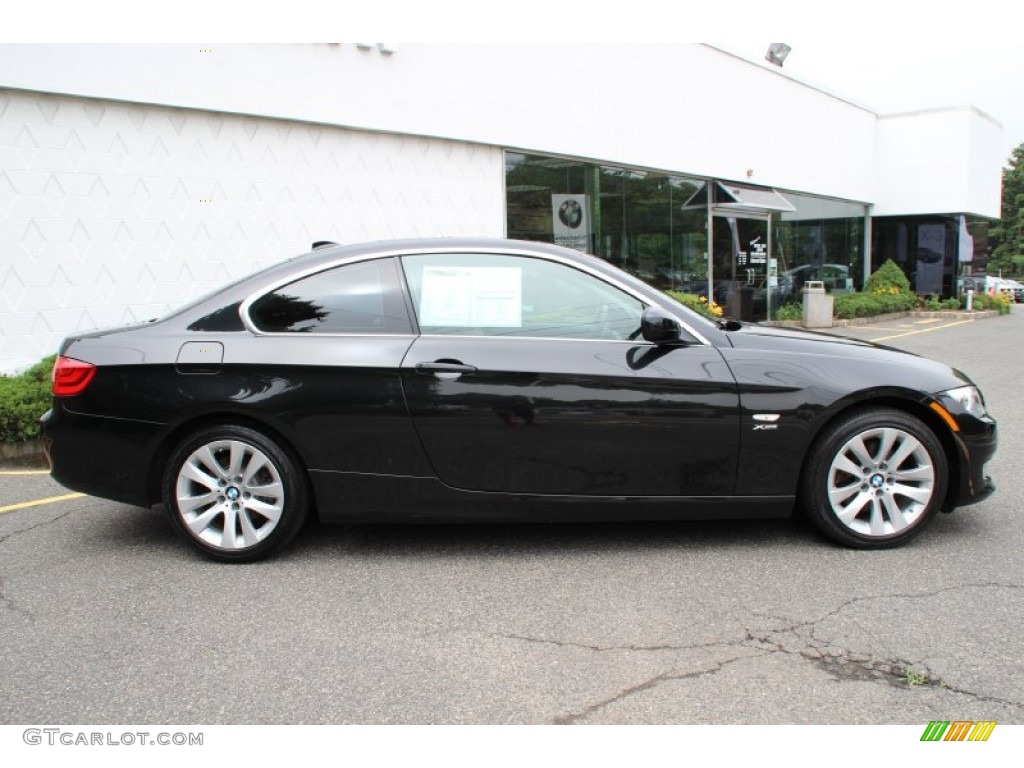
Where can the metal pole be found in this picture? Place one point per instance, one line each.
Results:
(709, 257)
(866, 269)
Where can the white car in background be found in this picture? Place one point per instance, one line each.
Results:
(1015, 288)
(1010, 288)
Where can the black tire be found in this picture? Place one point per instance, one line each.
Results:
(874, 479)
(234, 494)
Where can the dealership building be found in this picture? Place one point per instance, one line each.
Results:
(135, 177)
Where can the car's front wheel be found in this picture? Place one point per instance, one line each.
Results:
(234, 494)
(874, 479)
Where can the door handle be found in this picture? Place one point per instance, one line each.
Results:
(444, 369)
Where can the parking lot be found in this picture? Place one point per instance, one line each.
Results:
(106, 618)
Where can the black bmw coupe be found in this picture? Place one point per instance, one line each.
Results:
(474, 380)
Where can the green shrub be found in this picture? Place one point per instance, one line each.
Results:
(935, 304)
(851, 305)
(887, 290)
(982, 301)
(23, 399)
(791, 311)
(888, 279)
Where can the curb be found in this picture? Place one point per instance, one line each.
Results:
(836, 323)
(28, 454)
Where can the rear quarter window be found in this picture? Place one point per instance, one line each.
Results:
(360, 298)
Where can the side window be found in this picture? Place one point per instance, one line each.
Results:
(360, 298)
(495, 295)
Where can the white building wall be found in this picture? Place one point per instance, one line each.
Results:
(112, 213)
(938, 161)
(687, 108)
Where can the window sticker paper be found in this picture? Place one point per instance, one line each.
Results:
(472, 297)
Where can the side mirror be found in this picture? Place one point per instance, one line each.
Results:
(658, 327)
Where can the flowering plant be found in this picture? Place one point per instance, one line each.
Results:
(698, 303)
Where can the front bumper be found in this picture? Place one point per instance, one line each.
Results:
(976, 443)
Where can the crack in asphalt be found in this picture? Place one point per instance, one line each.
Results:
(898, 596)
(607, 648)
(11, 605)
(648, 684)
(845, 665)
(898, 673)
(61, 516)
(840, 663)
(982, 697)
(7, 602)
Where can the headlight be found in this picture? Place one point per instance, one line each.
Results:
(966, 399)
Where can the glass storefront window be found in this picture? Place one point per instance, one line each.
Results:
(936, 252)
(822, 240)
(633, 218)
(973, 248)
(656, 225)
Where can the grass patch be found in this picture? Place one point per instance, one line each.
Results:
(913, 678)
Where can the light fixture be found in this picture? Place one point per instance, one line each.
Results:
(777, 53)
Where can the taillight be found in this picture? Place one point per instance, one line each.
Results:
(71, 377)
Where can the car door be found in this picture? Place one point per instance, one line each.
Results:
(527, 378)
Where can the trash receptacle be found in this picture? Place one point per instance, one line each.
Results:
(739, 303)
(817, 305)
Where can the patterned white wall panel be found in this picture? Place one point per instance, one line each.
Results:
(113, 213)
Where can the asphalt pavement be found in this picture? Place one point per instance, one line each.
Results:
(106, 618)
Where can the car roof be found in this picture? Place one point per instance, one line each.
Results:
(327, 255)
(324, 256)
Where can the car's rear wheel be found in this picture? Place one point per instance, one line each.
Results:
(874, 479)
(234, 494)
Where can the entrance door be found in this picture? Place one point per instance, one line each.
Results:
(744, 281)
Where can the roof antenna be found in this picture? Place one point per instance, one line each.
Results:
(322, 244)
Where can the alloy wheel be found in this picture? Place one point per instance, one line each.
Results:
(229, 494)
(881, 481)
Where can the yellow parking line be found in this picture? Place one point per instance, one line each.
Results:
(25, 472)
(881, 327)
(40, 502)
(922, 330)
(928, 321)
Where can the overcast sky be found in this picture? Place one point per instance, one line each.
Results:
(888, 55)
(892, 76)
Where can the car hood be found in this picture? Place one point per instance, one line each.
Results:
(860, 363)
(766, 335)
